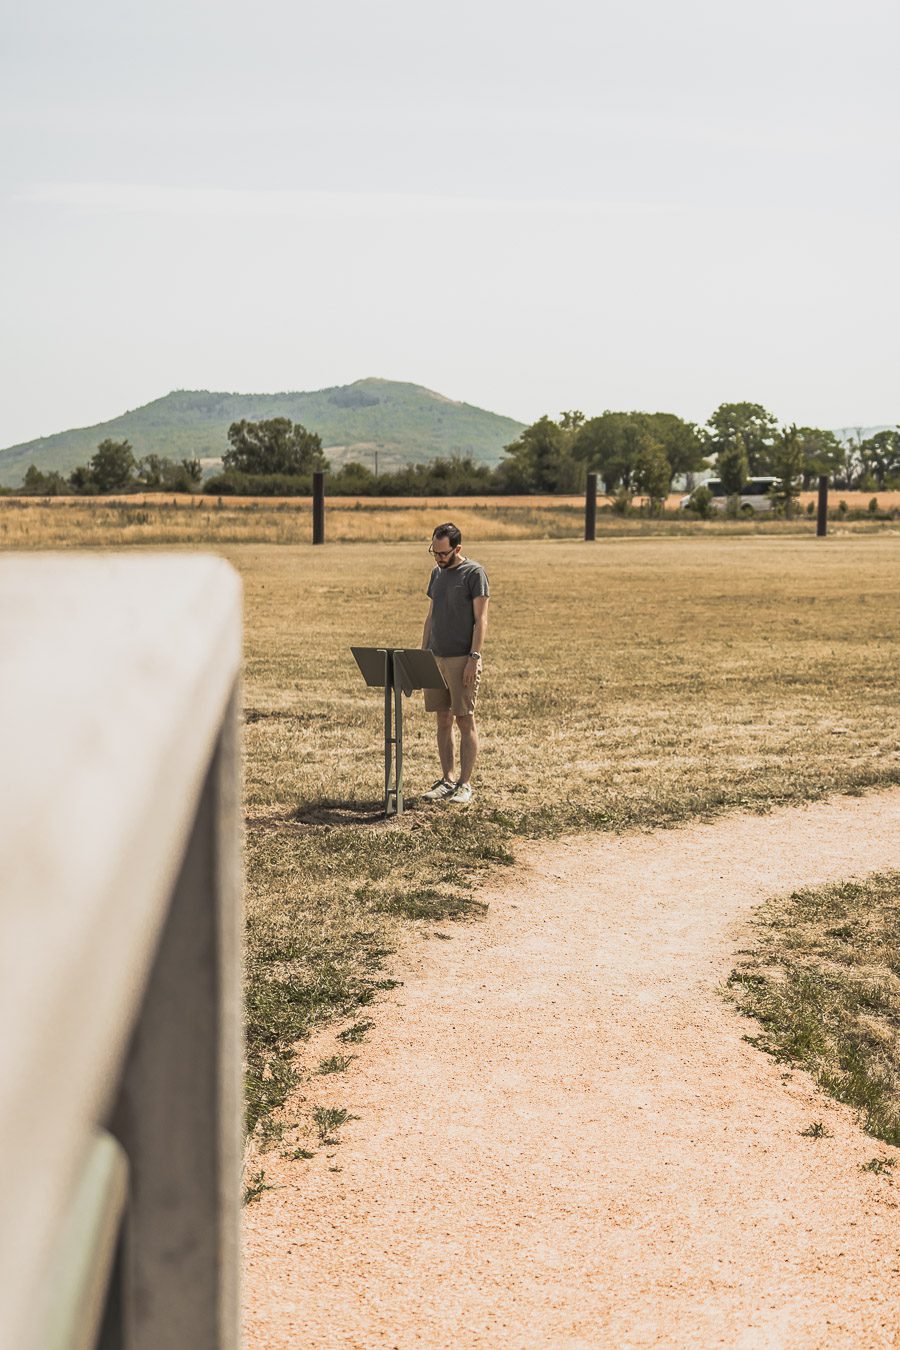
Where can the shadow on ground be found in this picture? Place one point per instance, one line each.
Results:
(336, 812)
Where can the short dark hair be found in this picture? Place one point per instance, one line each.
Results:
(448, 532)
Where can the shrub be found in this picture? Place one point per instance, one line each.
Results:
(157, 473)
(702, 502)
(233, 483)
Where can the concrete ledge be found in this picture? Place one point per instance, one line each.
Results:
(117, 679)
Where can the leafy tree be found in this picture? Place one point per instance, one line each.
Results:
(750, 422)
(652, 473)
(787, 460)
(160, 474)
(680, 441)
(621, 500)
(880, 458)
(733, 466)
(81, 481)
(274, 446)
(847, 467)
(150, 470)
(541, 460)
(112, 466)
(571, 420)
(822, 453)
(602, 446)
(610, 444)
(513, 475)
(37, 484)
(702, 502)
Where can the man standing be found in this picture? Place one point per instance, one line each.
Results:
(455, 627)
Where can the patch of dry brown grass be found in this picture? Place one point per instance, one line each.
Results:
(67, 522)
(652, 679)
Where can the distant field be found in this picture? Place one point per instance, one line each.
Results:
(62, 522)
(856, 501)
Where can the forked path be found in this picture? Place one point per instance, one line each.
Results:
(563, 1141)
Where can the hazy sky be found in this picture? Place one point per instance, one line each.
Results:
(531, 207)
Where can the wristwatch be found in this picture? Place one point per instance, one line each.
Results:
(474, 656)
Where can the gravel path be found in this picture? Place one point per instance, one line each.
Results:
(563, 1140)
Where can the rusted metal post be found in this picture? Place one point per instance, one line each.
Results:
(590, 507)
(318, 507)
(822, 518)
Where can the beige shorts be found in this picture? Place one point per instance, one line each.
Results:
(457, 697)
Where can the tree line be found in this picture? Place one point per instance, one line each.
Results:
(641, 453)
(633, 453)
(112, 469)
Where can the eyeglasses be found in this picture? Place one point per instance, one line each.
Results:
(441, 553)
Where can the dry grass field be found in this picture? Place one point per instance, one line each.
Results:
(66, 522)
(628, 684)
(631, 683)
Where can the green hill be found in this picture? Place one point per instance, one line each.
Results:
(404, 423)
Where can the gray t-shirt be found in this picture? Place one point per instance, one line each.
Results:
(452, 589)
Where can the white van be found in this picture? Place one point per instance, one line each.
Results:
(755, 496)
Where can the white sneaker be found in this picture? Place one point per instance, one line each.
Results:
(442, 789)
(461, 795)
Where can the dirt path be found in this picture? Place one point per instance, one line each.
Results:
(562, 1139)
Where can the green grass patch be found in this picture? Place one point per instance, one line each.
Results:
(356, 1032)
(881, 1167)
(335, 1064)
(255, 1186)
(327, 1119)
(817, 1130)
(823, 981)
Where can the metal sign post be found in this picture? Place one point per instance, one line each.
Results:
(590, 507)
(399, 670)
(393, 796)
(822, 516)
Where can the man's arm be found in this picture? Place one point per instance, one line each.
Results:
(426, 631)
(480, 606)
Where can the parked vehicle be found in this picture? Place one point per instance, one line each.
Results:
(754, 497)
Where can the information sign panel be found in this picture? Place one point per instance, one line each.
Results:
(398, 670)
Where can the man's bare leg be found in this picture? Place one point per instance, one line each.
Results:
(445, 743)
(468, 746)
